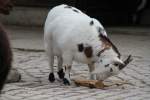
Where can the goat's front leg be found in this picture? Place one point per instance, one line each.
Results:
(91, 69)
(67, 62)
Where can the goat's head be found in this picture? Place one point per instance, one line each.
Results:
(109, 60)
(5, 6)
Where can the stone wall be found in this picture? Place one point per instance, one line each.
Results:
(31, 12)
(43, 3)
(34, 12)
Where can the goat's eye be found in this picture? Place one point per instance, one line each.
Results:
(116, 64)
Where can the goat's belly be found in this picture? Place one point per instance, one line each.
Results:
(56, 50)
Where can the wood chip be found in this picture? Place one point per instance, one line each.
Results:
(98, 84)
(90, 83)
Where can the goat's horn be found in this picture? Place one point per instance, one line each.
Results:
(126, 62)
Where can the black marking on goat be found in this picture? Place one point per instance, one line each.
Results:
(80, 47)
(111, 70)
(116, 64)
(99, 53)
(88, 51)
(75, 10)
(107, 65)
(91, 22)
(107, 41)
(51, 77)
(70, 7)
(67, 6)
(61, 74)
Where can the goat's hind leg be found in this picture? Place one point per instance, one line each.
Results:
(51, 63)
(49, 51)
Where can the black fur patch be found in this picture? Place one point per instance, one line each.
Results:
(88, 51)
(107, 65)
(51, 77)
(92, 23)
(99, 53)
(80, 47)
(61, 74)
(75, 10)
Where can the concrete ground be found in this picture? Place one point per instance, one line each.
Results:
(31, 61)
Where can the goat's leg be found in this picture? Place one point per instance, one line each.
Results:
(91, 69)
(49, 51)
(51, 63)
(60, 69)
(67, 62)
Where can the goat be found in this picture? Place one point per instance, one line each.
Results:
(72, 35)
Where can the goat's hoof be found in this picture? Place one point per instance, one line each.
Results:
(61, 74)
(66, 82)
(51, 77)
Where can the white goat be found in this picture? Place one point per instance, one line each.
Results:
(71, 35)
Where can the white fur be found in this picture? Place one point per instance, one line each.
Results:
(64, 30)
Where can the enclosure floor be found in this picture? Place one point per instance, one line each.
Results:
(31, 61)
